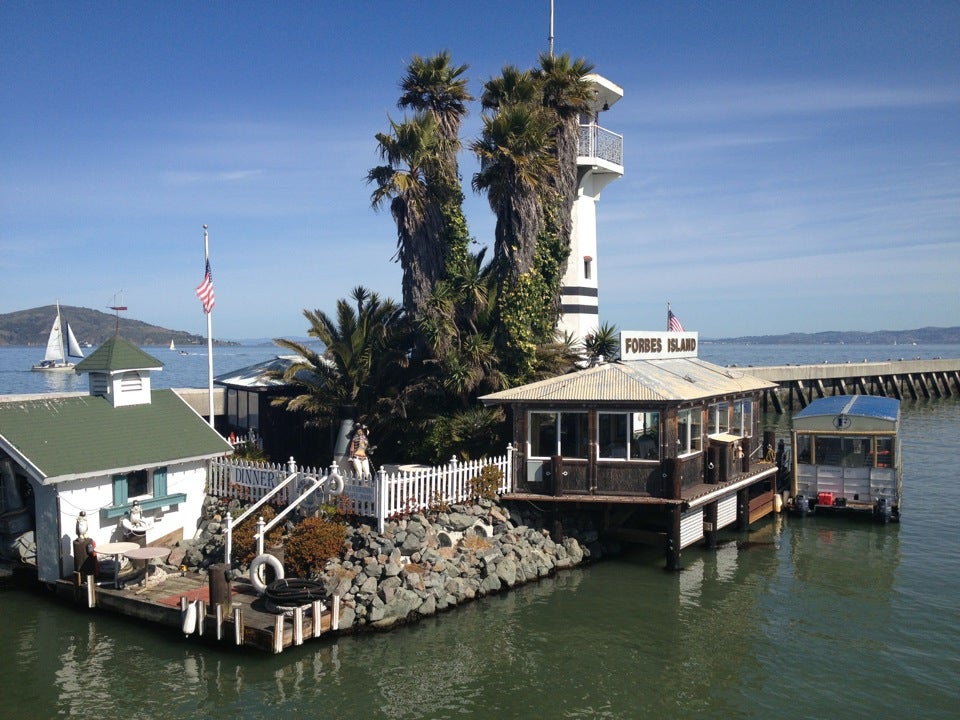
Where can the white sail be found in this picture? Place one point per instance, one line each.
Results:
(55, 341)
(172, 346)
(73, 347)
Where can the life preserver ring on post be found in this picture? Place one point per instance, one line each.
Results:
(335, 483)
(258, 574)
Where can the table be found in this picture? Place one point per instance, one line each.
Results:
(150, 554)
(115, 550)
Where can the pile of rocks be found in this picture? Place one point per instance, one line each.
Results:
(425, 563)
(421, 564)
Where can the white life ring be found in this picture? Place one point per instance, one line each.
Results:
(258, 575)
(310, 502)
(335, 483)
(190, 618)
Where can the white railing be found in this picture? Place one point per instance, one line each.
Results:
(598, 142)
(379, 496)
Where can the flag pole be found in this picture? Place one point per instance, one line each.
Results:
(206, 257)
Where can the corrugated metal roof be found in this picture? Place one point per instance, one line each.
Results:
(858, 405)
(673, 380)
(257, 376)
(66, 437)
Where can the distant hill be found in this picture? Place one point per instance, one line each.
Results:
(31, 327)
(921, 336)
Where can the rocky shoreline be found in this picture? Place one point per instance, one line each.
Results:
(426, 563)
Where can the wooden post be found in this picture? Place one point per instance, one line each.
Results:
(218, 611)
(743, 510)
(237, 625)
(316, 611)
(672, 549)
(335, 620)
(201, 616)
(298, 625)
(91, 591)
(556, 470)
(277, 634)
(710, 525)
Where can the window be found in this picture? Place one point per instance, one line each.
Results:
(587, 260)
(243, 409)
(631, 436)
(689, 431)
(742, 418)
(139, 484)
(718, 418)
(558, 433)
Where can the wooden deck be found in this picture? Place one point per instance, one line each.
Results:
(246, 622)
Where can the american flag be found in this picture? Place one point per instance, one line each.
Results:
(673, 324)
(205, 290)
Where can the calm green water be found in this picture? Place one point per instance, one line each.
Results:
(816, 618)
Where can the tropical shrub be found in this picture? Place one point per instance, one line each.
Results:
(314, 541)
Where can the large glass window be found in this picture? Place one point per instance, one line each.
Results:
(689, 431)
(719, 418)
(633, 436)
(559, 433)
(742, 418)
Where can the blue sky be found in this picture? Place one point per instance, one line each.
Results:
(789, 166)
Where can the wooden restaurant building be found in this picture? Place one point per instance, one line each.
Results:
(665, 444)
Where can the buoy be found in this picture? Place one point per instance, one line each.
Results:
(258, 574)
(190, 619)
(777, 503)
(335, 483)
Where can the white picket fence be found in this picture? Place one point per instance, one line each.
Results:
(379, 496)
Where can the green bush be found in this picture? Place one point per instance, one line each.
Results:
(314, 541)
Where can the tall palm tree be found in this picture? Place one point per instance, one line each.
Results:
(409, 152)
(516, 160)
(421, 176)
(566, 94)
(435, 86)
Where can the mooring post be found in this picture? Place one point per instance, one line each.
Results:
(237, 625)
(277, 634)
(298, 625)
(316, 612)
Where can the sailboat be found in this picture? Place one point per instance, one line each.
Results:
(60, 348)
(172, 345)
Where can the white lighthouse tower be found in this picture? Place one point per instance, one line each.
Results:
(599, 161)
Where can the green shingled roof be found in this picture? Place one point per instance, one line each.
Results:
(115, 355)
(67, 437)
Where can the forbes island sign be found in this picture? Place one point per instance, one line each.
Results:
(639, 345)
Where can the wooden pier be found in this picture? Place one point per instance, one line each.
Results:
(799, 385)
(244, 621)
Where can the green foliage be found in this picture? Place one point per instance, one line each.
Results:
(486, 484)
(244, 535)
(312, 543)
(468, 433)
(249, 451)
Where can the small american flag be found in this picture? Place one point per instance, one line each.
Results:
(673, 324)
(205, 290)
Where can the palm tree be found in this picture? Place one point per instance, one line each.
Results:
(421, 177)
(359, 347)
(566, 95)
(409, 152)
(433, 85)
(516, 161)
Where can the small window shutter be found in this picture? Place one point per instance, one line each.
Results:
(119, 490)
(160, 482)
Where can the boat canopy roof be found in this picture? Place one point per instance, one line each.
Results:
(849, 412)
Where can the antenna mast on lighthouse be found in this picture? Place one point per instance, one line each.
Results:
(551, 28)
